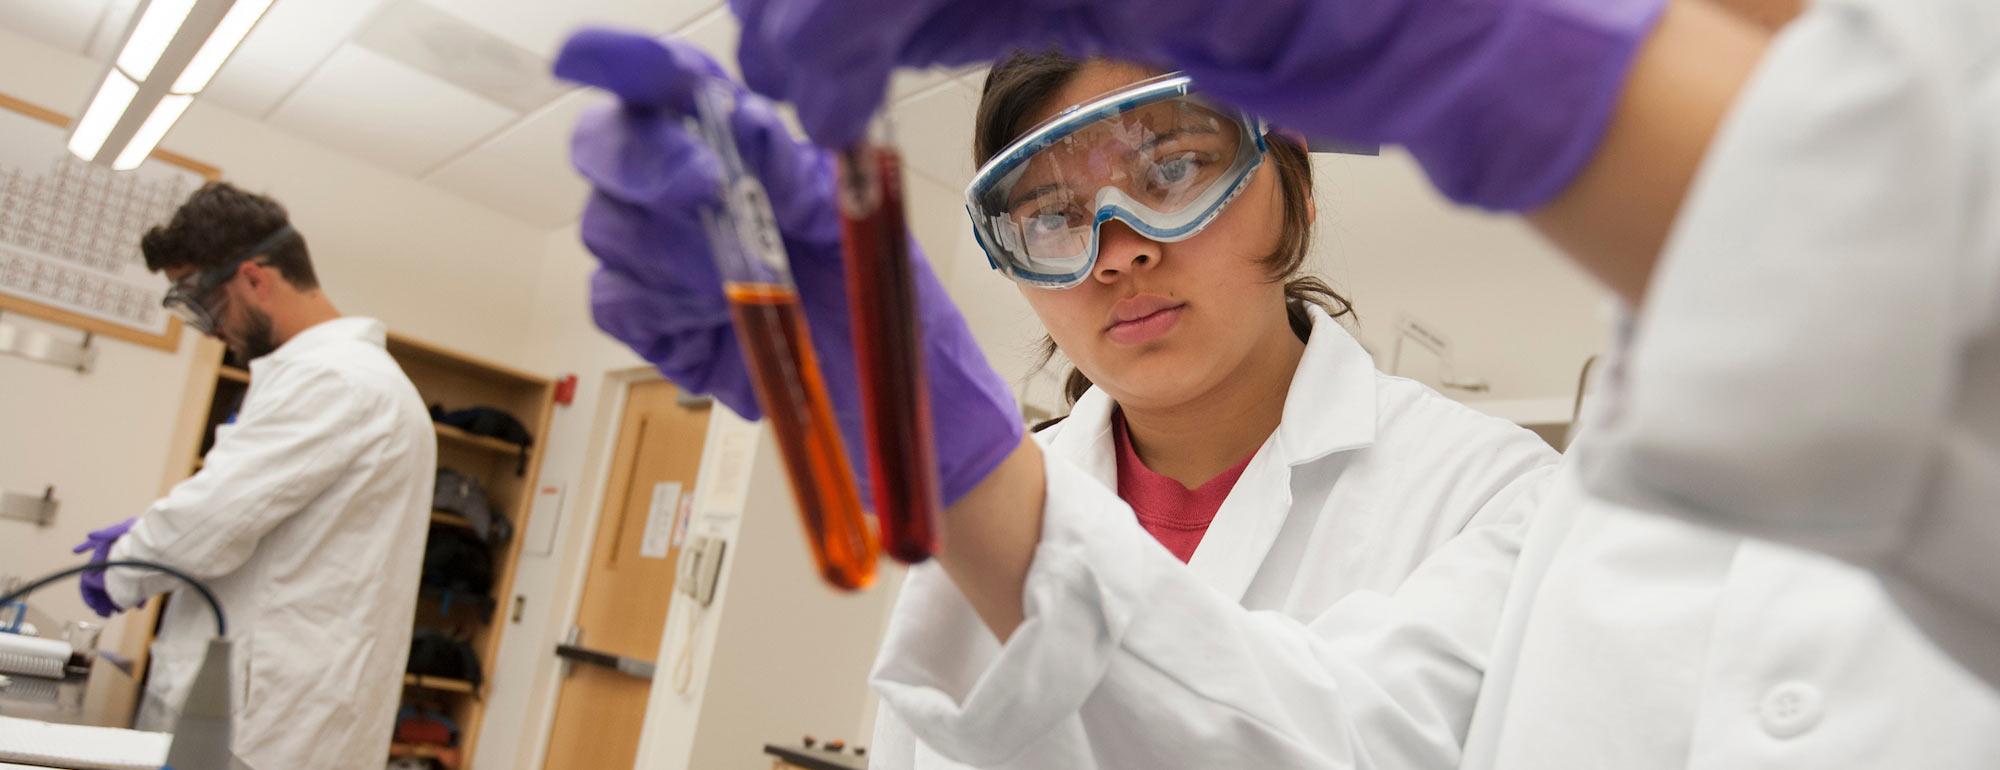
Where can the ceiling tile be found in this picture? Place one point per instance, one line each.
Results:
(934, 129)
(294, 38)
(541, 25)
(374, 108)
(524, 171)
(110, 30)
(65, 24)
(461, 53)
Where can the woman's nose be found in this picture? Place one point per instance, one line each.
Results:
(1120, 250)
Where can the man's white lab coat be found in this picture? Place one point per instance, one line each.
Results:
(308, 520)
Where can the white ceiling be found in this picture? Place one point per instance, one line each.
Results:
(303, 71)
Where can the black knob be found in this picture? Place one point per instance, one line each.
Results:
(811, 741)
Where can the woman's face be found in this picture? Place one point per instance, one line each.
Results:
(1158, 325)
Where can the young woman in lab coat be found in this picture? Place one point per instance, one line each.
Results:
(1617, 639)
(1249, 431)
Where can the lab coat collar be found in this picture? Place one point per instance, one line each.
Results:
(1329, 407)
(366, 330)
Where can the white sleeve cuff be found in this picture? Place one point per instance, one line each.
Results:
(981, 703)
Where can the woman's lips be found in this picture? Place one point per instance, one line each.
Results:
(1146, 328)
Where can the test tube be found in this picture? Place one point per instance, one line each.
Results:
(771, 327)
(882, 303)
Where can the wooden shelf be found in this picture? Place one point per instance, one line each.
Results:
(438, 683)
(445, 755)
(233, 374)
(487, 443)
(421, 750)
(451, 520)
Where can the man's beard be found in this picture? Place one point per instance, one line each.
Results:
(258, 338)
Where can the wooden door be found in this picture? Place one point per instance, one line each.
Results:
(631, 580)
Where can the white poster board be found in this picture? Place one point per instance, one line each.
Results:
(69, 230)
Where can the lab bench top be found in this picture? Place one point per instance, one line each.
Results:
(815, 758)
(103, 698)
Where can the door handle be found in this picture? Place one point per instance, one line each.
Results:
(632, 667)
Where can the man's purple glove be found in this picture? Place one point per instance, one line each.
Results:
(99, 544)
(1502, 101)
(658, 291)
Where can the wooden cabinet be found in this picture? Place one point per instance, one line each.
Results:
(455, 380)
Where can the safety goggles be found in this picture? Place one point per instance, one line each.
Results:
(1153, 155)
(187, 297)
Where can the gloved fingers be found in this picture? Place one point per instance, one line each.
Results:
(960, 34)
(663, 249)
(830, 60)
(84, 546)
(644, 158)
(797, 177)
(836, 113)
(761, 71)
(642, 71)
(693, 346)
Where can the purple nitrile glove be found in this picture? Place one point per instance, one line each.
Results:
(1502, 101)
(658, 291)
(99, 544)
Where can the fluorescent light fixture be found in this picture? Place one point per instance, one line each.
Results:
(152, 131)
(221, 43)
(170, 53)
(158, 26)
(105, 108)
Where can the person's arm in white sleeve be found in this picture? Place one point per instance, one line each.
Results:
(290, 442)
(1163, 672)
(1807, 367)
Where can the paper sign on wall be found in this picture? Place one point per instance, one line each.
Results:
(734, 450)
(544, 519)
(660, 520)
(682, 516)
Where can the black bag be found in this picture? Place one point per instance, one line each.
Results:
(490, 422)
(461, 494)
(457, 561)
(436, 653)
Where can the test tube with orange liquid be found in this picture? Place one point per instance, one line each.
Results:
(771, 327)
(888, 335)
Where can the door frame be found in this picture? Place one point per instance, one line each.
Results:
(595, 478)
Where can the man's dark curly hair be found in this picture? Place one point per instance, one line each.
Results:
(217, 223)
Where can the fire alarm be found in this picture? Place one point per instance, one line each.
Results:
(566, 390)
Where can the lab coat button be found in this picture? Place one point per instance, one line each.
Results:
(1791, 709)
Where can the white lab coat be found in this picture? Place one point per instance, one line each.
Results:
(1819, 359)
(308, 520)
(1619, 639)
(1365, 477)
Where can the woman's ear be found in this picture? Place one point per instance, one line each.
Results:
(1312, 210)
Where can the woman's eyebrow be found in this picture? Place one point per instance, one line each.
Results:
(1031, 194)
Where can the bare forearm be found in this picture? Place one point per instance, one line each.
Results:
(989, 538)
(1614, 219)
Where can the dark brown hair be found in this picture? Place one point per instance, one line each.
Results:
(216, 224)
(1022, 86)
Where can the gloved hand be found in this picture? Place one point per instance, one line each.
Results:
(99, 544)
(1502, 101)
(658, 291)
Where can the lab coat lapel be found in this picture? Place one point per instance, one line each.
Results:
(1084, 438)
(1329, 407)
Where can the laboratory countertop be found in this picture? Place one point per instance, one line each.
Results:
(103, 698)
(816, 759)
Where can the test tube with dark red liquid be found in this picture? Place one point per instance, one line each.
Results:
(888, 337)
(771, 327)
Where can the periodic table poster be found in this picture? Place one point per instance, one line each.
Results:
(69, 231)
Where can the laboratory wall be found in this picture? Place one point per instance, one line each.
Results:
(426, 262)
